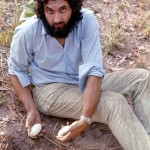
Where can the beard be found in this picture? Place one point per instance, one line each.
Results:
(59, 32)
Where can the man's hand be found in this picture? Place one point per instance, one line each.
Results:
(74, 130)
(25, 96)
(33, 117)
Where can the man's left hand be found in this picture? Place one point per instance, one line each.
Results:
(74, 130)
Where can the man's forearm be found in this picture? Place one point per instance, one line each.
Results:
(91, 95)
(24, 94)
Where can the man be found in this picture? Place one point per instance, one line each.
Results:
(61, 48)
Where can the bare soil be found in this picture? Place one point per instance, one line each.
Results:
(125, 43)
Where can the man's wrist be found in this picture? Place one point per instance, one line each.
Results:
(31, 108)
(88, 120)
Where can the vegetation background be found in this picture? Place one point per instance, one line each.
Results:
(125, 38)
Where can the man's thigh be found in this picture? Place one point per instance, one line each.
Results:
(59, 99)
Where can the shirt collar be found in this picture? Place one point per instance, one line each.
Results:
(43, 30)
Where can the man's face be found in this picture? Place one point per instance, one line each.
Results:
(57, 14)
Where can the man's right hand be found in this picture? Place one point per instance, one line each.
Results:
(25, 96)
(33, 117)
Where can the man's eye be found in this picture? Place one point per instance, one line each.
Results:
(49, 11)
(63, 9)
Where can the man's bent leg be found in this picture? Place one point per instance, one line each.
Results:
(64, 100)
(114, 111)
(136, 84)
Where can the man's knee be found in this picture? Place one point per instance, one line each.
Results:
(110, 103)
(142, 73)
(142, 79)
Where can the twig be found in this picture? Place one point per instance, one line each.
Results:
(2, 141)
(12, 112)
(1, 58)
(22, 121)
(51, 141)
(16, 2)
(54, 129)
(6, 146)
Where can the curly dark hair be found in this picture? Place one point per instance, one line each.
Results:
(75, 18)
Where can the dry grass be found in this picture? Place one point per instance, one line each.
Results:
(127, 21)
(124, 26)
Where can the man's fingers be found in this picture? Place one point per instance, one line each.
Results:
(67, 123)
(65, 138)
(28, 131)
(74, 130)
(68, 135)
(27, 128)
(28, 124)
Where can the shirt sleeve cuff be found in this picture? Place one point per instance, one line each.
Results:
(89, 69)
(22, 77)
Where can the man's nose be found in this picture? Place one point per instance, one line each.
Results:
(57, 18)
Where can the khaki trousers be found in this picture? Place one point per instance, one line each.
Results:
(130, 128)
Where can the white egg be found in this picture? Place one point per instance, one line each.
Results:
(62, 131)
(35, 130)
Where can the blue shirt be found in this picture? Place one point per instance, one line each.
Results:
(37, 58)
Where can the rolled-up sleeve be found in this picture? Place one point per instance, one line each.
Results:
(91, 51)
(20, 56)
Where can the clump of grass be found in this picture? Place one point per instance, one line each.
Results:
(141, 63)
(146, 28)
(142, 22)
(147, 31)
(19, 15)
(2, 102)
(112, 34)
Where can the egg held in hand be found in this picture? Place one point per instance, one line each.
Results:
(62, 131)
(35, 130)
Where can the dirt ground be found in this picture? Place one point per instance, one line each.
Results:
(125, 38)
